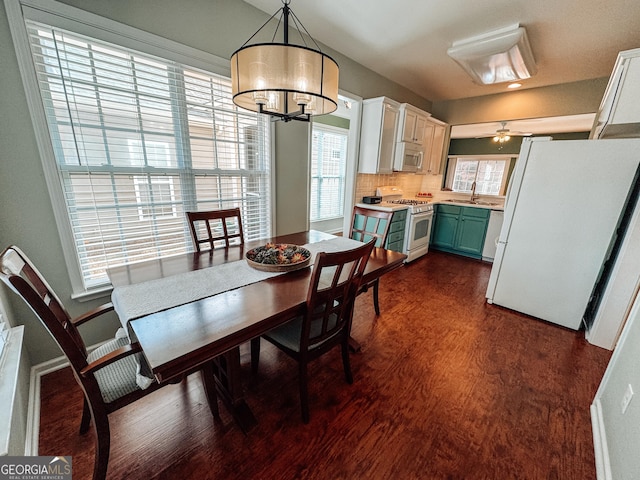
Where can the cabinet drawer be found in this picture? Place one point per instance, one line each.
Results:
(476, 212)
(395, 246)
(451, 209)
(399, 216)
(396, 227)
(395, 237)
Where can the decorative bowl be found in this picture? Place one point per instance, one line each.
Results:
(278, 257)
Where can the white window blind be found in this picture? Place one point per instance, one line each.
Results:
(138, 141)
(328, 170)
(490, 175)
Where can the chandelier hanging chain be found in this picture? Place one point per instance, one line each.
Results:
(299, 26)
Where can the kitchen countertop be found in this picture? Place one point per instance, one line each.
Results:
(492, 205)
(381, 207)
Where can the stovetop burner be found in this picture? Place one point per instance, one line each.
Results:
(408, 201)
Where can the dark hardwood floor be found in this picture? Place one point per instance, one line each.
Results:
(445, 387)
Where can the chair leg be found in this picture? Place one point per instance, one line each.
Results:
(103, 443)
(255, 355)
(346, 362)
(209, 383)
(376, 304)
(304, 391)
(86, 418)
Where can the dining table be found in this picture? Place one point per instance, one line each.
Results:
(190, 309)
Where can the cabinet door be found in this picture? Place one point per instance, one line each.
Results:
(388, 138)
(409, 126)
(445, 228)
(436, 149)
(471, 231)
(420, 131)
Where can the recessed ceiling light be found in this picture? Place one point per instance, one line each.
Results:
(514, 85)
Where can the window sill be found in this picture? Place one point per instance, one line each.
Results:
(93, 294)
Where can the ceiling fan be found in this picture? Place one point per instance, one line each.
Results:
(503, 134)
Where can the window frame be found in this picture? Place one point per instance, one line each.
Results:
(451, 168)
(74, 19)
(333, 130)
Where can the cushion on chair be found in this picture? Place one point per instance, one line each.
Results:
(119, 378)
(289, 334)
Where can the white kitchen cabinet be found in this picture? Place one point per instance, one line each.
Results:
(378, 135)
(619, 112)
(434, 145)
(413, 124)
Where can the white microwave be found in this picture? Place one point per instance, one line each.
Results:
(408, 157)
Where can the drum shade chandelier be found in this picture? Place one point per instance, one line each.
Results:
(287, 81)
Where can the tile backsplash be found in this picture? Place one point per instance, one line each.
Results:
(410, 183)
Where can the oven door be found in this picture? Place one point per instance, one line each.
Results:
(416, 238)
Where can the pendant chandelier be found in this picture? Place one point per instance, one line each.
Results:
(286, 81)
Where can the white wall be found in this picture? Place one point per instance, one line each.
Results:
(617, 435)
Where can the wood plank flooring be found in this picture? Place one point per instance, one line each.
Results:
(445, 387)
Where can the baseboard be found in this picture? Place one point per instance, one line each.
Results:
(33, 410)
(601, 451)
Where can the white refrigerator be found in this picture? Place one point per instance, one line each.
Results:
(563, 206)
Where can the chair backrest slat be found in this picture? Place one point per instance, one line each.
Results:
(367, 223)
(222, 227)
(332, 290)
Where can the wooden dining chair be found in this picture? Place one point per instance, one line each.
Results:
(326, 323)
(216, 228)
(365, 225)
(107, 375)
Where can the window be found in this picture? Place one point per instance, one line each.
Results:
(139, 140)
(490, 174)
(328, 170)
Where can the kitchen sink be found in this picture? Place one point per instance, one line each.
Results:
(472, 202)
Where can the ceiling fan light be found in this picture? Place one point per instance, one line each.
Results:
(500, 56)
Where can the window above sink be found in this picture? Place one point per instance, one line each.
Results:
(489, 173)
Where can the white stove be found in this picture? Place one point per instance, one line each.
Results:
(419, 219)
(394, 197)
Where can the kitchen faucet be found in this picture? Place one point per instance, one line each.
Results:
(474, 197)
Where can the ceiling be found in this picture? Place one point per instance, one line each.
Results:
(406, 40)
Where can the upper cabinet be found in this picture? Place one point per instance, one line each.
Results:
(392, 130)
(413, 124)
(434, 145)
(619, 112)
(378, 135)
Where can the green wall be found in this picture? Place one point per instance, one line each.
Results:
(333, 121)
(552, 101)
(486, 146)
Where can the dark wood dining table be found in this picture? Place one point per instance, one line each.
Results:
(179, 339)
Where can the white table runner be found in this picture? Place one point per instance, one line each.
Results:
(134, 301)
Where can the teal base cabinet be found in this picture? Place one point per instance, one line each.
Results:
(460, 230)
(395, 237)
